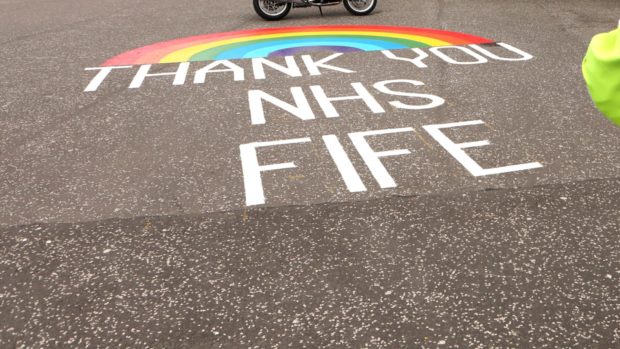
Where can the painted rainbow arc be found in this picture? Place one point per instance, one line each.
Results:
(270, 42)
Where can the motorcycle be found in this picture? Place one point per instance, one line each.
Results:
(273, 10)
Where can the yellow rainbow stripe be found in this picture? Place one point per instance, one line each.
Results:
(280, 41)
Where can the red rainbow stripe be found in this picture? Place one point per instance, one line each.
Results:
(230, 44)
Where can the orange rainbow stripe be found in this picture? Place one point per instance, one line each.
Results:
(269, 42)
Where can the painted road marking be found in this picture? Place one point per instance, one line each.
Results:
(267, 106)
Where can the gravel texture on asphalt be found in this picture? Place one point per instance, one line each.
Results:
(123, 218)
(526, 268)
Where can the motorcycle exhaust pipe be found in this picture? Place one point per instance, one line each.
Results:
(315, 2)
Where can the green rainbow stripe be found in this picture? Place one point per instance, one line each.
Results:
(282, 41)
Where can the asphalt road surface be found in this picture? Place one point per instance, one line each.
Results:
(164, 212)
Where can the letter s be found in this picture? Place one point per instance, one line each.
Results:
(435, 101)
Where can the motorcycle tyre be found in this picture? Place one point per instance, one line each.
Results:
(269, 17)
(357, 13)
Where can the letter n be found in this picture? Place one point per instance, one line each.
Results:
(301, 109)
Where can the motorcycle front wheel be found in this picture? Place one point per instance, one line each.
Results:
(360, 7)
(272, 10)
